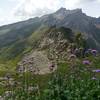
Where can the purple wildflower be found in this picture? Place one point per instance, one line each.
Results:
(94, 52)
(97, 70)
(86, 62)
(51, 67)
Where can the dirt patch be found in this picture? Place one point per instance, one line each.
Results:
(36, 62)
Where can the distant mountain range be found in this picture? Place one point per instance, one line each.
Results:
(23, 36)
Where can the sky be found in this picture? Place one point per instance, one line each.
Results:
(17, 10)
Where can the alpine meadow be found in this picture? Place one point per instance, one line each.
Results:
(53, 56)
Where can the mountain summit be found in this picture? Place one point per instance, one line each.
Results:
(64, 10)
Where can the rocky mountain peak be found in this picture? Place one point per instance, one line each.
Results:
(61, 10)
(65, 11)
(77, 11)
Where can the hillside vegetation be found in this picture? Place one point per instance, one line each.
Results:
(54, 57)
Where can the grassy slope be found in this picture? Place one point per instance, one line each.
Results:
(10, 55)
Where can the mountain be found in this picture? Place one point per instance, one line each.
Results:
(74, 19)
(19, 38)
(78, 22)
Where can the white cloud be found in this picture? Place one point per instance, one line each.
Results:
(70, 4)
(32, 8)
(25, 9)
(98, 1)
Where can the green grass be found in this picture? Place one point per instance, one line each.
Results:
(63, 68)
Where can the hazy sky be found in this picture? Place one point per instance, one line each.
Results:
(16, 10)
